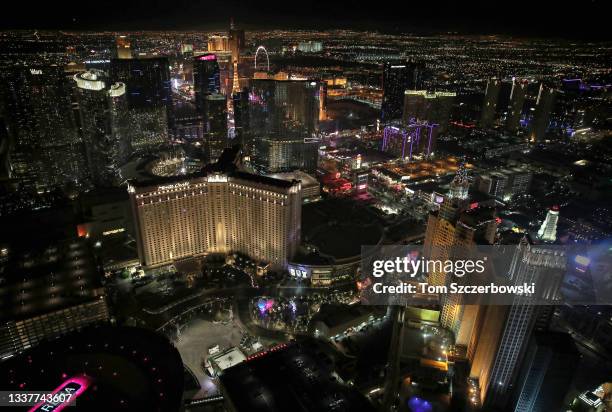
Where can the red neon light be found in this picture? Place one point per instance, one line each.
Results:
(74, 386)
(474, 205)
(208, 57)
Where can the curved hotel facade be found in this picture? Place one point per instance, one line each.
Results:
(217, 213)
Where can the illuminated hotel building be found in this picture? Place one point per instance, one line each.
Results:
(506, 330)
(217, 212)
(451, 233)
(123, 48)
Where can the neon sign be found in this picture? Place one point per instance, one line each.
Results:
(64, 395)
(174, 186)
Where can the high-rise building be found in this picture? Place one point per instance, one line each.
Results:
(221, 210)
(541, 117)
(104, 124)
(46, 150)
(489, 104)
(434, 107)
(240, 101)
(206, 78)
(236, 42)
(515, 108)
(149, 98)
(506, 330)
(548, 229)
(215, 125)
(545, 378)
(396, 79)
(147, 81)
(452, 230)
(286, 111)
(123, 48)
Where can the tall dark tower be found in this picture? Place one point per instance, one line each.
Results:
(541, 118)
(46, 148)
(236, 41)
(489, 105)
(215, 125)
(149, 98)
(515, 108)
(147, 81)
(397, 78)
(206, 80)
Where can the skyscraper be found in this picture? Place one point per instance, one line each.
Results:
(541, 117)
(451, 233)
(396, 79)
(285, 111)
(236, 41)
(46, 150)
(149, 98)
(215, 125)
(548, 229)
(507, 329)
(220, 210)
(104, 124)
(489, 104)
(515, 108)
(545, 377)
(206, 78)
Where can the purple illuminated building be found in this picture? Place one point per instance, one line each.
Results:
(416, 138)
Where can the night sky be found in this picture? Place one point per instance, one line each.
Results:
(582, 19)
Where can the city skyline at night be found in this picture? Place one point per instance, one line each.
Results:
(321, 206)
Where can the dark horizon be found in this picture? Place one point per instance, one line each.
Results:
(524, 19)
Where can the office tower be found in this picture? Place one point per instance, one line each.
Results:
(206, 78)
(397, 78)
(489, 105)
(104, 124)
(545, 378)
(515, 108)
(218, 211)
(46, 150)
(149, 99)
(215, 125)
(123, 48)
(507, 329)
(434, 107)
(286, 111)
(541, 117)
(548, 229)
